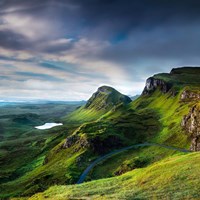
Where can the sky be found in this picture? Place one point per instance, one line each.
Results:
(66, 49)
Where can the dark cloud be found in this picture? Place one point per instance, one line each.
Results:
(12, 40)
(111, 20)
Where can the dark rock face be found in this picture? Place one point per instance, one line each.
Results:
(102, 146)
(189, 95)
(152, 84)
(70, 141)
(191, 123)
(80, 142)
(97, 145)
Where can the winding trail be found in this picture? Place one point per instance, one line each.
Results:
(103, 158)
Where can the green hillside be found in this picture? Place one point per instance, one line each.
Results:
(176, 177)
(103, 100)
(166, 113)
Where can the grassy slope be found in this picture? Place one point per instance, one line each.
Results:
(176, 177)
(165, 107)
(140, 121)
(61, 169)
(22, 147)
(170, 111)
(102, 101)
(36, 176)
(82, 115)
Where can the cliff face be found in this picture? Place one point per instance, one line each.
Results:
(187, 80)
(191, 123)
(153, 83)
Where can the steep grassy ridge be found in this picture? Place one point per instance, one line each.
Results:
(102, 101)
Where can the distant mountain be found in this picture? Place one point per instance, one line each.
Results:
(134, 97)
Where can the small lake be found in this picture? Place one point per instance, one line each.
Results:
(48, 126)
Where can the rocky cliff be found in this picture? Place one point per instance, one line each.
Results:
(186, 82)
(191, 123)
(174, 81)
(153, 83)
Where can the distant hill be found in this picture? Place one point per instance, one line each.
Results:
(102, 101)
(105, 98)
(134, 97)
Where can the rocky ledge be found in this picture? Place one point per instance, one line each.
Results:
(191, 123)
(190, 95)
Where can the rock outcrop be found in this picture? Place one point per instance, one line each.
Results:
(77, 141)
(70, 140)
(106, 98)
(190, 95)
(153, 83)
(191, 123)
(99, 138)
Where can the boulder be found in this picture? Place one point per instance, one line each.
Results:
(190, 95)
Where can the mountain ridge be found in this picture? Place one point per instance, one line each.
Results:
(101, 102)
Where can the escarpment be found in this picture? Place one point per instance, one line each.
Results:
(185, 82)
(191, 123)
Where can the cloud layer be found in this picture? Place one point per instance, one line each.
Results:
(65, 49)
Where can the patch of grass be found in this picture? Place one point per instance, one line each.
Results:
(82, 115)
(175, 177)
(62, 167)
(145, 155)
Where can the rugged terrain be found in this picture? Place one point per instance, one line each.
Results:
(166, 113)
